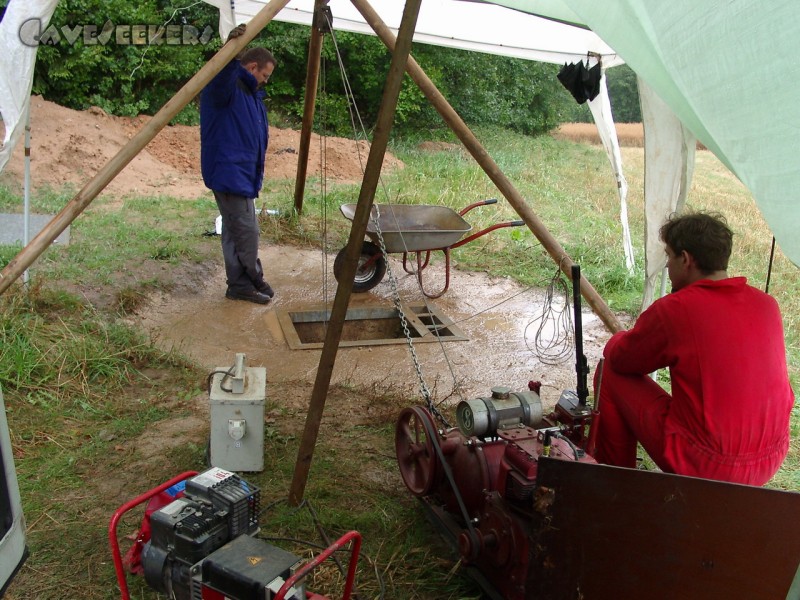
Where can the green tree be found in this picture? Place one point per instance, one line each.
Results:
(129, 79)
(623, 92)
(85, 58)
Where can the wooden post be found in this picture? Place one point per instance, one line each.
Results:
(111, 169)
(479, 153)
(312, 76)
(372, 172)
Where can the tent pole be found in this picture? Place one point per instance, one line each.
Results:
(372, 172)
(26, 219)
(312, 77)
(491, 168)
(111, 169)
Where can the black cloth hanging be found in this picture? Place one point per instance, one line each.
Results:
(582, 83)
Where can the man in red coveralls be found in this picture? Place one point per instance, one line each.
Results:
(728, 415)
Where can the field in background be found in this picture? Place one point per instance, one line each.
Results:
(629, 134)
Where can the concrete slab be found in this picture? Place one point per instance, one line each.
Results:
(12, 228)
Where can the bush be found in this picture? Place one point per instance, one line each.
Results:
(130, 79)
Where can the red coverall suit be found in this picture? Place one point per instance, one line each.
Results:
(728, 415)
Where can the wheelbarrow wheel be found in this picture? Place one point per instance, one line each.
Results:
(371, 267)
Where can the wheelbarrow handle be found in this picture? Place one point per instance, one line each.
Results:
(483, 232)
(464, 211)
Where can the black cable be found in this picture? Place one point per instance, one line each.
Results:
(326, 539)
(552, 341)
(769, 268)
(579, 453)
(226, 375)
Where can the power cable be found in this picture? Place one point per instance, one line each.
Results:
(326, 539)
(553, 339)
(159, 32)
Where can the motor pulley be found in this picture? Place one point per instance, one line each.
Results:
(480, 478)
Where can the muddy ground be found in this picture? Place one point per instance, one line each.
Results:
(497, 316)
(497, 321)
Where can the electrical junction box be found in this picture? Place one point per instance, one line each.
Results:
(237, 395)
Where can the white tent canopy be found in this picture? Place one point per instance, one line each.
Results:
(727, 71)
(467, 25)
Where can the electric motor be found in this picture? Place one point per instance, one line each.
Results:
(483, 417)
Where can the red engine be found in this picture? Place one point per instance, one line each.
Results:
(479, 480)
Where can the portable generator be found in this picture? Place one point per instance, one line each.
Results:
(197, 542)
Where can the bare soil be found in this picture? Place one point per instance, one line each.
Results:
(497, 315)
(499, 318)
(69, 147)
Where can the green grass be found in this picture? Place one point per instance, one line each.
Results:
(83, 389)
(570, 187)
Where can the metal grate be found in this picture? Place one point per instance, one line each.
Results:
(368, 326)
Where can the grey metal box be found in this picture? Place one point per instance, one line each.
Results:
(236, 440)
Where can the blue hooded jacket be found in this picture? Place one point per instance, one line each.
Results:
(234, 132)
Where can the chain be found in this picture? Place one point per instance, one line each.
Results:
(426, 393)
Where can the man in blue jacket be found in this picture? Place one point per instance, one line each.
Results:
(234, 132)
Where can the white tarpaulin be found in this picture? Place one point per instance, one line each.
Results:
(727, 69)
(467, 25)
(16, 66)
(601, 112)
(669, 163)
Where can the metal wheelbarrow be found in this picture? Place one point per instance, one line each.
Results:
(407, 228)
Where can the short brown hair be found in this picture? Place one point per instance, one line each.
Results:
(706, 236)
(258, 55)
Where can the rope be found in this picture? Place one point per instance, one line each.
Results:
(323, 189)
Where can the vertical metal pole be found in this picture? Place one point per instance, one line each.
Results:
(380, 140)
(26, 219)
(581, 365)
(769, 269)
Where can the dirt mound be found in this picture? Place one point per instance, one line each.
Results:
(69, 147)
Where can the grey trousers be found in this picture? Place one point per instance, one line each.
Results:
(240, 242)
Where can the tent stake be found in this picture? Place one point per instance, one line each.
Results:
(119, 161)
(372, 171)
(479, 153)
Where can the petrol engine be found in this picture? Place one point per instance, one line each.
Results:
(202, 544)
(479, 480)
